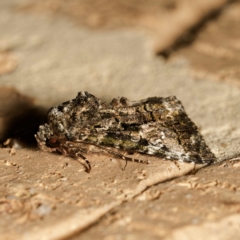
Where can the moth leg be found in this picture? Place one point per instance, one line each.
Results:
(117, 154)
(176, 164)
(83, 160)
(70, 150)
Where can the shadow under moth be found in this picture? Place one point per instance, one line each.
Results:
(155, 126)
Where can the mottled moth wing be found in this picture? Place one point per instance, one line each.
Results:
(156, 126)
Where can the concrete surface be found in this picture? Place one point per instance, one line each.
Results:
(49, 59)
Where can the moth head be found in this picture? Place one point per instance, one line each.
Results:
(46, 140)
(67, 120)
(44, 136)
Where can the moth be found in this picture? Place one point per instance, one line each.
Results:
(156, 126)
